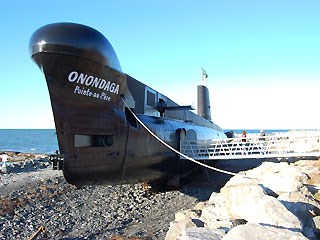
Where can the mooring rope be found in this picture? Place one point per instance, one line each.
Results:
(176, 151)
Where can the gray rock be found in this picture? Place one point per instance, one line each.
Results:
(252, 231)
(316, 224)
(250, 202)
(177, 228)
(300, 204)
(216, 210)
(189, 213)
(201, 234)
(275, 178)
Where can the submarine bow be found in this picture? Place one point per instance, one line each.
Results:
(85, 83)
(74, 39)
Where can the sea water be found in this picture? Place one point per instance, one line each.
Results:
(251, 131)
(29, 140)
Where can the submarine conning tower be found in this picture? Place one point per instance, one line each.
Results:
(203, 108)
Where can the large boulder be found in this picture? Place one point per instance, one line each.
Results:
(201, 234)
(250, 202)
(252, 231)
(275, 178)
(303, 205)
(177, 228)
(215, 215)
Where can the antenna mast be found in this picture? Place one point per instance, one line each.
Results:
(203, 97)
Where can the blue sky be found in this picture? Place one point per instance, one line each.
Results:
(262, 57)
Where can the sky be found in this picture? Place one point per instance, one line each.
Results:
(262, 57)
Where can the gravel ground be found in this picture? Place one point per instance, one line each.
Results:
(42, 197)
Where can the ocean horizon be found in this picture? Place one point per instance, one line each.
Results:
(44, 141)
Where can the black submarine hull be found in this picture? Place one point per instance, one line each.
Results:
(98, 136)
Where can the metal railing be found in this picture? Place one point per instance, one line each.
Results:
(281, 145)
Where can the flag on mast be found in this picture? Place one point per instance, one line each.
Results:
(204, 77)
(204, 73)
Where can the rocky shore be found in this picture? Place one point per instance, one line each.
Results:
(272, 201)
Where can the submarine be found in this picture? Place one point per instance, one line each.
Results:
(101, 113)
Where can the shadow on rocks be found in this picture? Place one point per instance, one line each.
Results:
(205, 181)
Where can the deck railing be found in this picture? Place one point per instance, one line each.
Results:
(280, 145)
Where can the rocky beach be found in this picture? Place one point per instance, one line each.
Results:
(33, 195)
(277, 200)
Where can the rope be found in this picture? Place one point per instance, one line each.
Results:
(176, 151)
